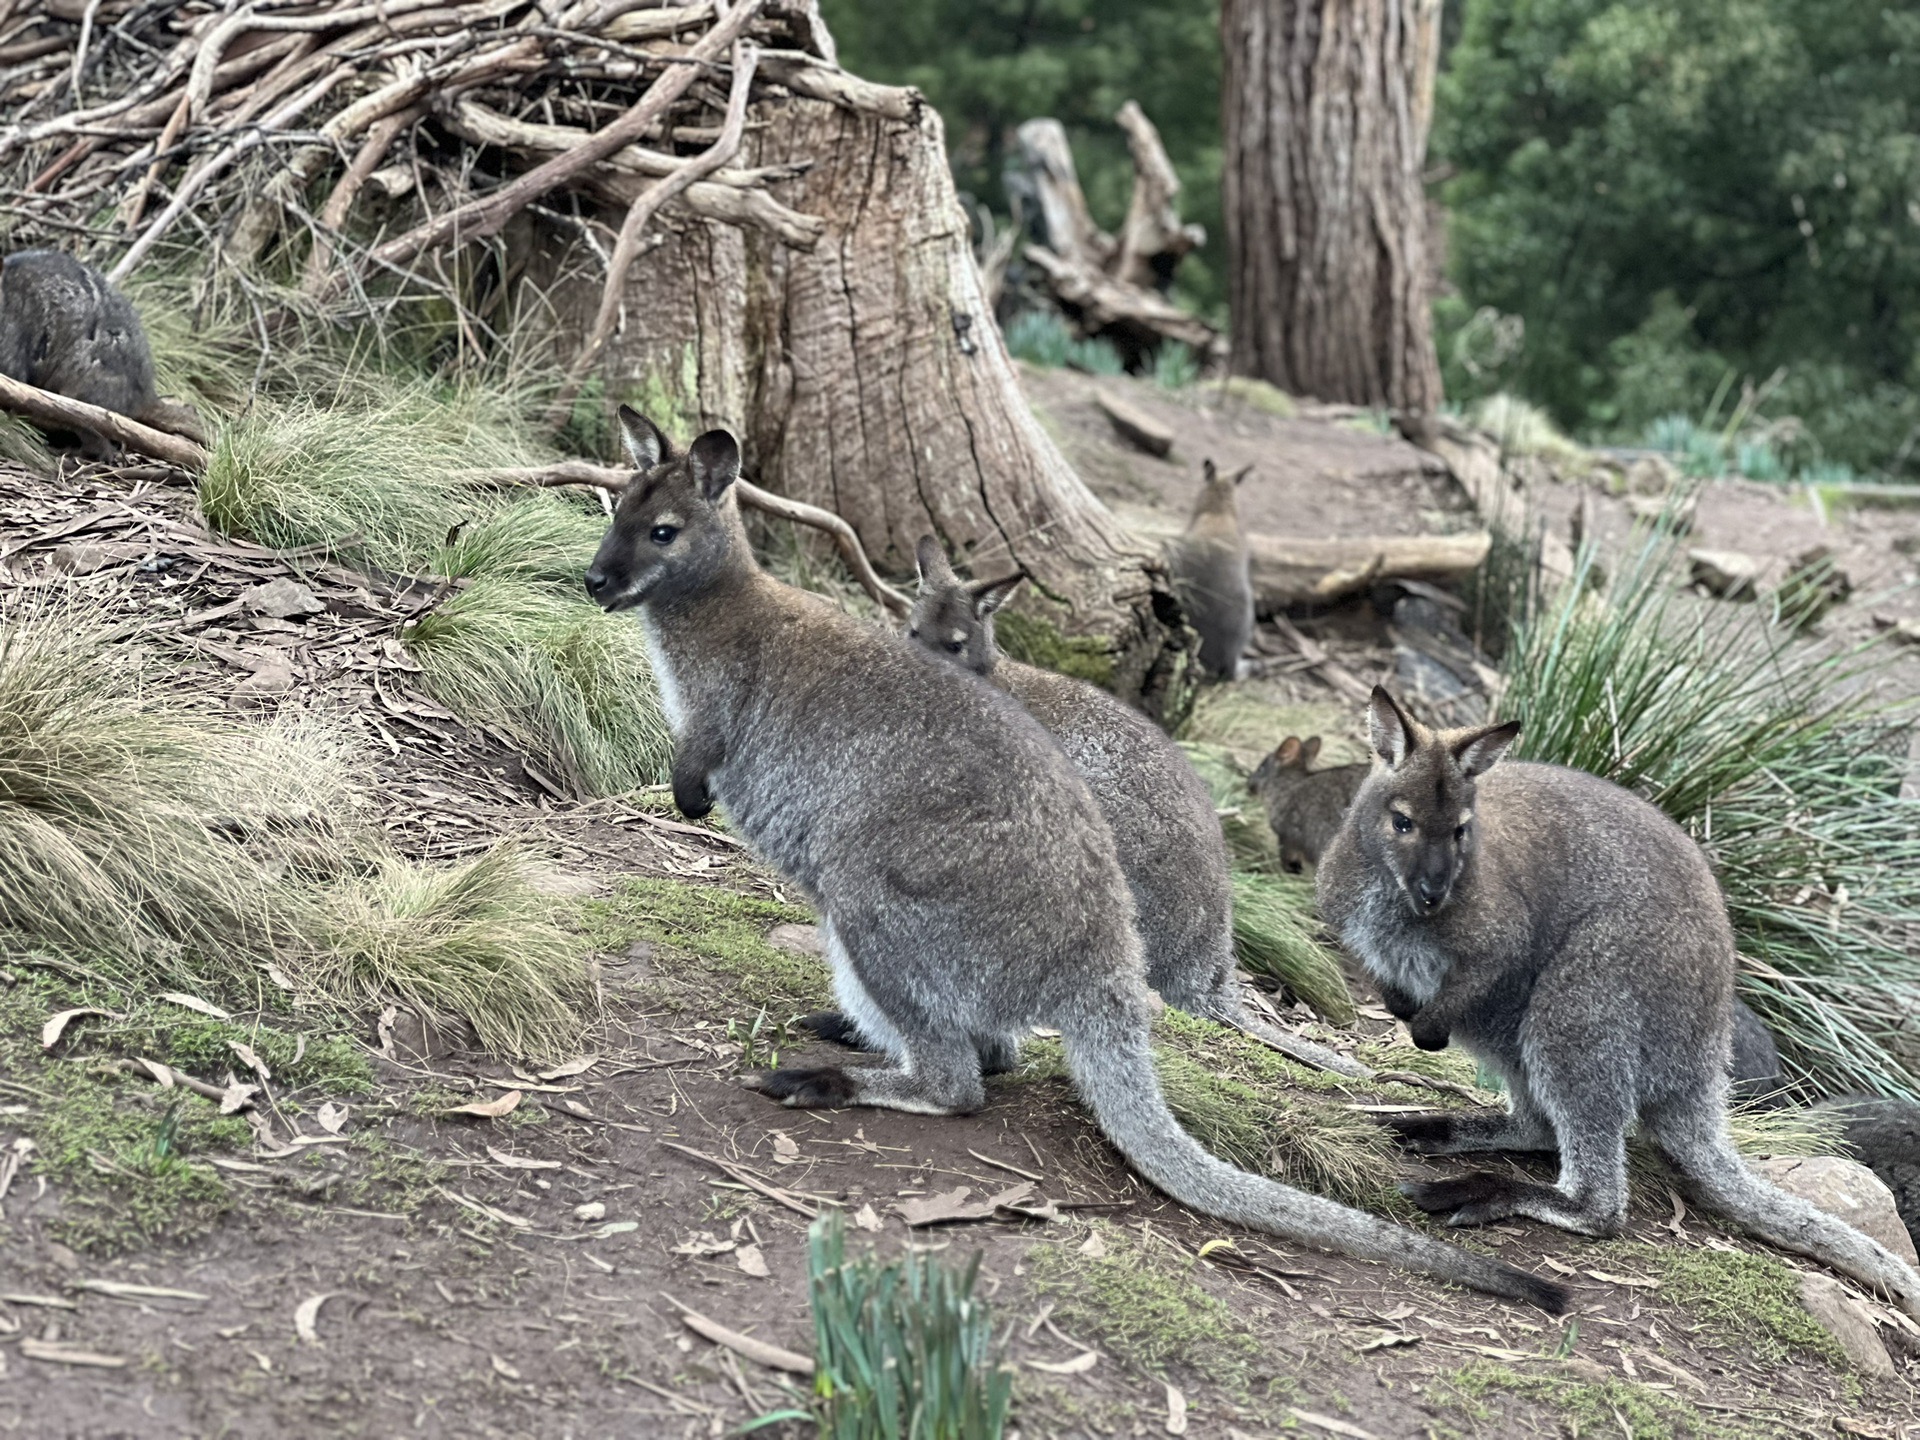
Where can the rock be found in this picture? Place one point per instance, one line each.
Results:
(1813, 586)
(1848, 1191)
(1649, 508)
(1725, 573)
(281, 599)
(592, 1210)
(800, 939)
(1650, 475)
(1136, 427)
(263, 684)
(1903, 631)
(1848, 1321)
(79, 559)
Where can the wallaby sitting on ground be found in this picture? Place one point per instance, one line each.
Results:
(1210, 574)
(1165, 831)
(966, 882)
(1573, 939)
(64, 328)
(1884, 1136)
(1304, 806)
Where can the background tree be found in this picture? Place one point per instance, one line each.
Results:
(1671, 197)
(1326, 106)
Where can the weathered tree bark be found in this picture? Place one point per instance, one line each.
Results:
(1326, 106)
(866, 376)
(1153, 238)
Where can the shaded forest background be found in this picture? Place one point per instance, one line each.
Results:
(1684, 225)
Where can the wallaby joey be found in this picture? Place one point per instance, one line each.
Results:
(966, 882)
(1304, 807)
(1165, 832)
(1209, 563)
(64, 328)
(1573, 939)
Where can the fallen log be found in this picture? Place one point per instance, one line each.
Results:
(43, 407)
(1289, 571)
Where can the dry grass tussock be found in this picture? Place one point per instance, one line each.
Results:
(164, 847)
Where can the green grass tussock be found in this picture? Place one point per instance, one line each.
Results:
(904, 1348)
(1587, 1407)
(1275, 935)
(474, 940)
(568, 684)
(1775, 754)
(541, 537)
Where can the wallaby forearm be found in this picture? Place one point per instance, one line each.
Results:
(697, 753)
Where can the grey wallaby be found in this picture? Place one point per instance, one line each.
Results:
(1884, 1135)
(64, 328)
(1304, 806)
(1573, 939)
(1209, 562)
(965, 879)
(1165, 832)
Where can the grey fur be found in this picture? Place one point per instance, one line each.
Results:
(1884, 1135)
(1166, 835)
(1210, 574)
(1574, 940)
(1304, 807)
(65, 329)
(966, 881)
(1757, 1078)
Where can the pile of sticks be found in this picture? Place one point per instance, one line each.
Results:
(346, 149)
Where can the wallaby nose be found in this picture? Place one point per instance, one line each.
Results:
(1430, 892)
(596, 580)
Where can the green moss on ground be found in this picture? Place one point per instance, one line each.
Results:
(1034, 641)
(1589, 1407)
(1744, 1300)
(1268, 399)
(702, 930)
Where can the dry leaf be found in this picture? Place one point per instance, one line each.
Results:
(1387, 1341)
(489, 1109)
(1636, 1282)
(307, 1312)
(1093, 1247)
(522, 1162)
(68, 1355)
(332, 1117)
(122, 1290)
(865, 1219)
(614, 1227)
(194, 1002)
(1078, 1365)
(785, 1152)
(162, 1073)
(570, 1069)
(1557, 1267)
(51, 1032)
(279, 978)
(1176, 1412)
(952, 1205)
(237, 1096)
(503, 1369)
(252, 1061)
(1331, 1425)
(702, 1242)
(751, 1262)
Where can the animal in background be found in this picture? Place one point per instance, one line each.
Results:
(966, 882)
(64, 328)
(1573, 939)
(1304, 806)
(1209, 563)
(1884, 1134)
(1165, 832)
(1755, 1070)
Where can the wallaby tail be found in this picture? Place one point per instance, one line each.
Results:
(1233, 1011)
(1697, 1145)
(1113, 1068)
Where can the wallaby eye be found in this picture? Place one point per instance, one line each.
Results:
(913, 634)
(1460, 832)
(954, 647)
(1401, 824)
(663, 534)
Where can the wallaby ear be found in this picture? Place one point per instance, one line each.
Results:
(1242, 473)
(715, 461)
(1478, 749)
(1208, 470)
(1310, 750)
(647, 448)
(990, 595)
(1289, 752)
(1388, 728)
(932, 563)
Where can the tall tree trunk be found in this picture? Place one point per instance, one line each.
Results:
(866, 375)
(1326, 106)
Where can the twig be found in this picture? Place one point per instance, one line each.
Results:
(80, 49)
(752, 1181)
(758, 1351)
(46, 408)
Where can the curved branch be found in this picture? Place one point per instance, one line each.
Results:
(44, 407)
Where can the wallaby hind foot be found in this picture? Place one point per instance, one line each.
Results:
(998, 1053)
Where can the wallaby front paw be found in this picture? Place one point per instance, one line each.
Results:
(1429, 1034)
(825, 1088)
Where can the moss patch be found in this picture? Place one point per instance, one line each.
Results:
(702, 930)
(1748, 1301)
(1596, 1407)
(1268, 399)
(1146, 1309)
(1033, 641)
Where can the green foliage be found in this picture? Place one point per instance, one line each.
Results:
(1174, 367)
(1649, 198)
(989, 65)
(1746, 1300)
(1034, 641)
(1720, 719)
(1146, 1309)
(703, 929)
(1042, 338)
(903, 1349)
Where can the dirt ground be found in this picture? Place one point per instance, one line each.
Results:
(448, 1282)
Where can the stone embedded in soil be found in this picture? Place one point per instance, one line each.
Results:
(1725, 573)
(79, 559)
(1814, 585)
(265, 683)
(281, 599)
(1135, 426)
(1848, 1191)
(1848, 1321)
(800, 939)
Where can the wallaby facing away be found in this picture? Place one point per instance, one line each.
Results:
(64, 328)
(1209, 563)
(966, 882)
(1574, 940)
(1304, 806)
(1165, 832)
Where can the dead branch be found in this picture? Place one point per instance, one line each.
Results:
(43, 407)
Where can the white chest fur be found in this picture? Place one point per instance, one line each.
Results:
(1394, 947)
(670, 699)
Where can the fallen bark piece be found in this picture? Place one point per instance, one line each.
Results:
(758, 1351)
(1135, 426)
(1727, 574)
(1848, 1321)
(43, 407)
(1294, 571)
(953, 1205)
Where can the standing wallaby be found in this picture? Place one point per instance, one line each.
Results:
(966, 882)
(1573, 939)
(64, 328)
(1210, 574)
(1304, 806)
(1165, 832)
